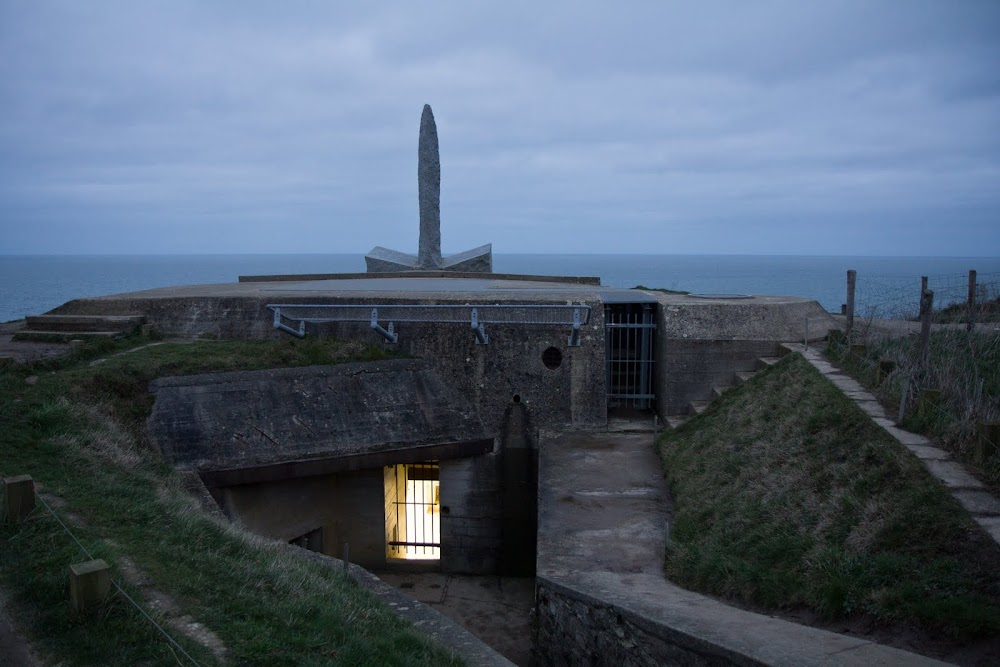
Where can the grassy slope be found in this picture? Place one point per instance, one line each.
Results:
(787, 496)
(77, 431)
(964, 367)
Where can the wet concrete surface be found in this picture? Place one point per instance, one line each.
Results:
(604, 505)
(495, 609)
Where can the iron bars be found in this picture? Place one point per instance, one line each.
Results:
(474, 316)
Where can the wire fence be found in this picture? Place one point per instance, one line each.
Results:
(172, 644)
(890, 306)
(932, 348)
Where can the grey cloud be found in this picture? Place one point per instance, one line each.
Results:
(293, 126)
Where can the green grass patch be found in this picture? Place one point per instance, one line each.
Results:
(787, 496)
(76, 428)
(660, 289)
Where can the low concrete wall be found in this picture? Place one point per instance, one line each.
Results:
(701, 343)
(687, 370)
(577, 629)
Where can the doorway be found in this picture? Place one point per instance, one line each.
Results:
(413, 511)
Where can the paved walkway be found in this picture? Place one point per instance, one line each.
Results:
(966, 489)
(603, 518)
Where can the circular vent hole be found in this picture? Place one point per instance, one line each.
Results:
(552, 357)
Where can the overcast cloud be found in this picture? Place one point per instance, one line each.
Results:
(718, 127)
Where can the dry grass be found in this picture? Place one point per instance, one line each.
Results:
(963, 366)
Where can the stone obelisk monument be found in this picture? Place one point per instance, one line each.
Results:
(428, 257)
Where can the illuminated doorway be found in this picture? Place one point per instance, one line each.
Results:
(413, 511)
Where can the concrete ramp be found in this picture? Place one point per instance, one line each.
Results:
(601, 595)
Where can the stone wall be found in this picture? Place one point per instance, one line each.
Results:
(576, 629)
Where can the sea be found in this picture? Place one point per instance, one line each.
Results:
(34, 284)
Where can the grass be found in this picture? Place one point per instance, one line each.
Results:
(987, 310)
(660, 289)
(963, 366)
(786, 496)
(76, 428)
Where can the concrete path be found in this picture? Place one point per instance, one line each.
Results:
(966, 489)
(603, 515)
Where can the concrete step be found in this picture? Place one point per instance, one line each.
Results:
(717, 392)
(675, 421)
(625, 425)
(767, 362)
(742, 377)
(80, 323)
(698, 407)
(49, 336)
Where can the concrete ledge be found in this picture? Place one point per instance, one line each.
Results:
(301, 277)
(655, 625)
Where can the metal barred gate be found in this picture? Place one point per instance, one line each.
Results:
(630, 329)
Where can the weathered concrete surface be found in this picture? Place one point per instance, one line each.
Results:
(495, 609)
(702, 343)
(488, 375)
(601, 594)
(237, 419)
(426, 620)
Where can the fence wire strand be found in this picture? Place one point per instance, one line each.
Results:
(171, 642)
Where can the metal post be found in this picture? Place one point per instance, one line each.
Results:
(644, 361)
(852, 279)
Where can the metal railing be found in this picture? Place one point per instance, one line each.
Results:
(382, 318)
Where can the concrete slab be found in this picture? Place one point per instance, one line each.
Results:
(978, 502)
(952, 474)
(928, 453)
(905, 437)
(872, 408)
(991, 524)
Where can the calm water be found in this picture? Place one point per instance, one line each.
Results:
(35, 284)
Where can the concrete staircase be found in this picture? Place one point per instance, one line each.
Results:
(69, 327)
(695, 408)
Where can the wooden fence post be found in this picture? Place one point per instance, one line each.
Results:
(852, 280)
(971, 322)
(926, 308)
(89, 583)
(988, 440)
(19, 497)
(929, 399)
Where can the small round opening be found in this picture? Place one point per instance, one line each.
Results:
(552, 358)
(517, 398)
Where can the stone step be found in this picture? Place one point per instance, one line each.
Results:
(767, 362)
(675, 421)
(742, 377)
(50, 336)
(698, 407)
(717, 392)
(80, 323)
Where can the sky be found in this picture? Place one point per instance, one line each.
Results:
(816, 128)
